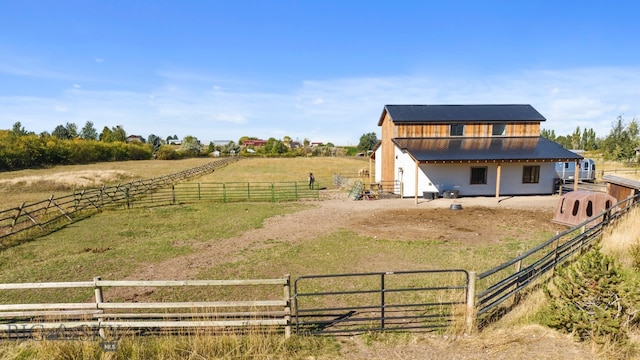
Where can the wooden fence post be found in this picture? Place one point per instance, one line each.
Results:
(97, 291)
(15, 219)
(287, 308)
(470, 315)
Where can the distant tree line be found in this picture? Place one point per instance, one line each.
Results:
(67, 144)
(621, 144)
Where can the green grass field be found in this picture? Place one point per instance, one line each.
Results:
(116, 244)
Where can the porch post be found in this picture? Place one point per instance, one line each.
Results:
(576, 176)
(416, 181)
(498, 174)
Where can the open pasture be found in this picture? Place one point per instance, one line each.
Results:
(245, 240)
(205, 240)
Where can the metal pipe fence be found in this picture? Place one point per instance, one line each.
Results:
(378, 301)
(507, 280)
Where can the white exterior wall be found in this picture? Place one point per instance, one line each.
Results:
(511, 182)
(443, 177)
(408, 175)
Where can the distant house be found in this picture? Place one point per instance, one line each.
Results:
(135, 138)
(294, 144)
(175, 142)
(465, 150)
(316, 143)
(255, 143)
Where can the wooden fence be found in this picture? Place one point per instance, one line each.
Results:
(102, 317)
(56, 212)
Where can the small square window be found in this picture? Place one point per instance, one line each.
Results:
(498, 129)
(456, 129)
(531, 174)
(478, 175)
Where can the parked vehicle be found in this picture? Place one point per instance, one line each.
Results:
(567, 170)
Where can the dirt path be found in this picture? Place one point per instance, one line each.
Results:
(479, 221)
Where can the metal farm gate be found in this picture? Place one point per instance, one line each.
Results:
(425, 300)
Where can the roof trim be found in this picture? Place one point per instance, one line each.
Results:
(484, 150)
(483, 113)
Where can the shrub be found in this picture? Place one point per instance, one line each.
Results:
(167, 153)
(591, 299)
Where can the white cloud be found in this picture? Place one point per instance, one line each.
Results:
(336, 110)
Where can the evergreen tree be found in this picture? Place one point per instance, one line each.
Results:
(589, 299)
(548, 134)
(72, 130)
(18, 129)
(88, 132)
(622, 140)
(61, 132)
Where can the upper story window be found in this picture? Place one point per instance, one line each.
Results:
(499, 129)
(456, 129)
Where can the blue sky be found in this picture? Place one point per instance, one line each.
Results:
(320, 70)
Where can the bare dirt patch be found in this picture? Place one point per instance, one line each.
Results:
(473, 225)
(480, 221)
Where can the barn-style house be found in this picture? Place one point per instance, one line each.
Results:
(465, 150)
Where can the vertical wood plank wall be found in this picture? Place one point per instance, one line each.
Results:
(470, 130)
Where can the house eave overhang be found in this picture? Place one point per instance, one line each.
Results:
(484, 150)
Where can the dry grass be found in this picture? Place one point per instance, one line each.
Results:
(38, 184)
(69, 180)
(621, 237)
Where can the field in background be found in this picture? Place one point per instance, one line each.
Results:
(36, 185)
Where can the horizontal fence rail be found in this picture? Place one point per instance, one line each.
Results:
(64, 209)
(100, 315)
(506, 280)
(233, 192)
(389, 301)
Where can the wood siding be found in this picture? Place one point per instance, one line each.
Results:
(470, 130)
(389, 131)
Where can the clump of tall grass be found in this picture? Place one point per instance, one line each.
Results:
(622, 240)
(200, 345)
(84, 179)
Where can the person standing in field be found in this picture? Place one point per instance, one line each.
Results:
(311, 180)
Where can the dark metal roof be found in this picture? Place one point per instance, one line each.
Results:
(461, 113)
(489, 149)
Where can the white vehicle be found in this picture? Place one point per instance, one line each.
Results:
(567, 170)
